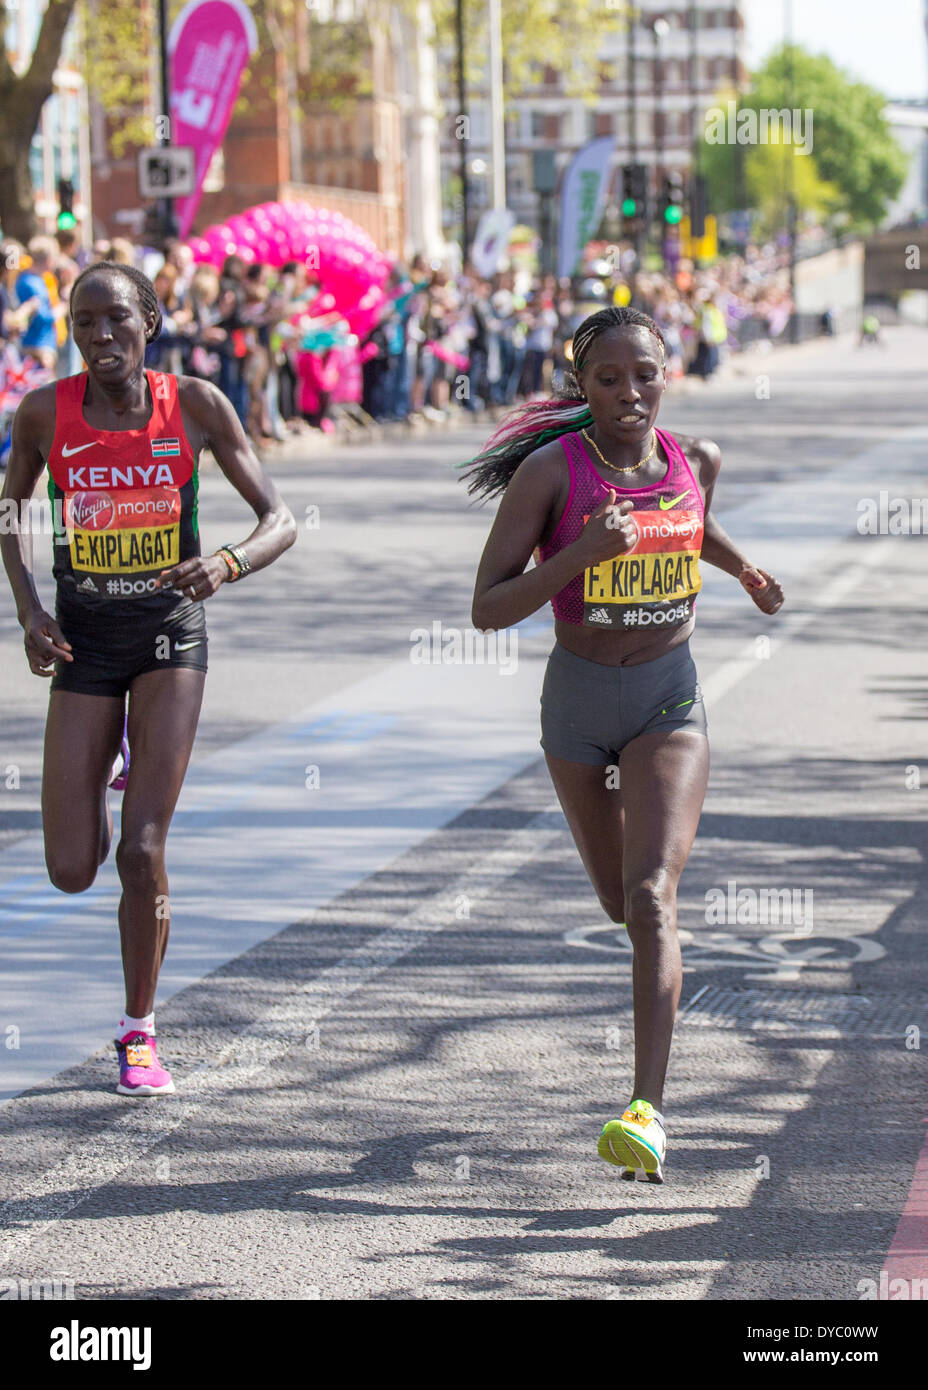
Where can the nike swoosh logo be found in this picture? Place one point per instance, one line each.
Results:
(185, 646)
(66, 452)
(665, 505)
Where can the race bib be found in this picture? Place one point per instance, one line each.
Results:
(653, 584)
(121, 540)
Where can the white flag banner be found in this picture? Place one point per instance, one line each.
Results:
(583, 197)
(491, 241)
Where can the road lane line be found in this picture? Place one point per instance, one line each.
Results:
(48, 1196)
(253, 846)
(791, 624)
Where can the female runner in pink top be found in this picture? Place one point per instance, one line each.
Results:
(617, 514)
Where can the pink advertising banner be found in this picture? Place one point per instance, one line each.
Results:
(210, 43)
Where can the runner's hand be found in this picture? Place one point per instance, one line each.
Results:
(609, 531)
(197, 579)
(763, 588)
(44, 643)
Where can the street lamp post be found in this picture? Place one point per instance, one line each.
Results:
(791, 209)
(659, 30)
(478, 169)
(497, 118)
(463, 134)
(544, 171)
(166, 205)
(632, 83)
(695, 106)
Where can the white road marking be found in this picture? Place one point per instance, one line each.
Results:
(43, 1199)
(784, 629)
(252, 848)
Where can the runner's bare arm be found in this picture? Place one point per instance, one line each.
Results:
(218, 427)
(505, 592)
(44, 640)
(718, 548)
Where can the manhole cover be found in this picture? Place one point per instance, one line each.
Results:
(875, 1016)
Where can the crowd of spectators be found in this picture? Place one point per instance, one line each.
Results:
(446, 342)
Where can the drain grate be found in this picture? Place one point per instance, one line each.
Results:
(875, 1016)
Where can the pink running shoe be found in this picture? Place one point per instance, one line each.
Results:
(140, 1072)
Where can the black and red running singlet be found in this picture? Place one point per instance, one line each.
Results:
(124, 502)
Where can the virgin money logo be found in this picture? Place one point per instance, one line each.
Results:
(92, 511)
(669, 528)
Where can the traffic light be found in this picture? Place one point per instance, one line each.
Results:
(634, 191)
(65, 220)
(673, 200)
(152, 226)
(699, 206)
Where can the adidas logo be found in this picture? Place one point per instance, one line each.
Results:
(599, 615)
(87, 586)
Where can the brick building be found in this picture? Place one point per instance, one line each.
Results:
(281, 147)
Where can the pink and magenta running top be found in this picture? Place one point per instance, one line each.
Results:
(655, 583)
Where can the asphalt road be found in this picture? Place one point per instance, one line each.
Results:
(394, 1011)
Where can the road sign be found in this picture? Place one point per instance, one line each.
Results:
(167, 171)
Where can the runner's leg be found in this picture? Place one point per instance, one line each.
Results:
(82, 738)
(664, 777)
(594, 814)
(634, 858)
(164, 707)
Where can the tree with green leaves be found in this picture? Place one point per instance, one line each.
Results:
(22, 96)
(853, 170)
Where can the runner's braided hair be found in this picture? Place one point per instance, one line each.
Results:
(537, 422)
(144, 289)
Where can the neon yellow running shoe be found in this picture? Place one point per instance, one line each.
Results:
(636, 1143)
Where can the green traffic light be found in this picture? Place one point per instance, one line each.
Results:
(673, 213)
(629, 207)
(65, 221)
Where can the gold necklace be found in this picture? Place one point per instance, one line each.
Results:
(635, 466)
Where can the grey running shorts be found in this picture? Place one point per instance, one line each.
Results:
(589, 711)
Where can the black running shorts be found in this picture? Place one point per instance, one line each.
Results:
(589, 711)
(110, 651)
